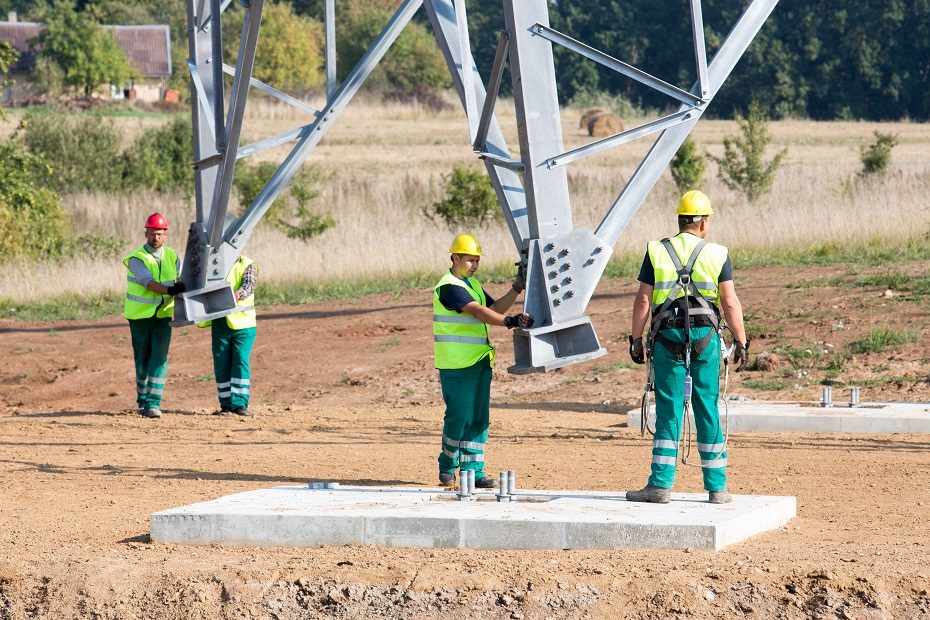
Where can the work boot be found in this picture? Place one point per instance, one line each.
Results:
(651, 494)
(152, 412)
(485, 483)
(243, 411)
(719, 497)
(446, 479)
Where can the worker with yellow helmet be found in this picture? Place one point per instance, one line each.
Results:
(684, 284)
(464, 356)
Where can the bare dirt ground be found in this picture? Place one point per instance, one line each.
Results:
(346, 391)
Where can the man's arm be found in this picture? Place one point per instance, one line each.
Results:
(502, 305)
(488, 315)
(641, 304)
(732, 310)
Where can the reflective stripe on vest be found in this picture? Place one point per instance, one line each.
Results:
(705, 274)
(459, 339)
(141, 303)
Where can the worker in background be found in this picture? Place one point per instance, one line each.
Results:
(152, 274)
(684, 283)
(462, 311)
(232, 338)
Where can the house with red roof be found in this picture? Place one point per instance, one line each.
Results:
(148, 48)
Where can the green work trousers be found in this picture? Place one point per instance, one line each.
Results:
(232, 349)
(669, 394)
(467, 394)
(150, 341)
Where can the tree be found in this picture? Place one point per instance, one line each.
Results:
(289, 54)
(8, 57)
(32, 221)
(413, 60)
(469, 199)
(742, 166)
(87, 54)
(687, 167)
(876, 156)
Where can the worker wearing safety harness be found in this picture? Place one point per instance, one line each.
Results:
(684, 283)
(152, 275)
(232, 338)
(464, 356)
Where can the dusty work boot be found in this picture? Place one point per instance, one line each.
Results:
(152, 412)
(485, 483)
(651, 494)
(719, 497)
(242, 411)
(446, 479)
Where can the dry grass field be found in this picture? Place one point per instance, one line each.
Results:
(383, 166)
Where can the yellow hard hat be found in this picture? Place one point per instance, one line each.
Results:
(694, 203)
(465, 243)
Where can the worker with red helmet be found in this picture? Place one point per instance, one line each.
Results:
(152, 275)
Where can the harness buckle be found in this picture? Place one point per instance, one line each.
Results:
(684, 279)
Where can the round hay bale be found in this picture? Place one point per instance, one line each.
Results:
(588, 115)
(604, 124)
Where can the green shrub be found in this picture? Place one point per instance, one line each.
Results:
(687, 167)
(32, 221)
(470, 199)
(291, 212)
(742, 167)
(161, 158)
(876, 157)
(82, 149)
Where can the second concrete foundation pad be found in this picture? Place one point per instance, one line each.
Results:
(775, 417)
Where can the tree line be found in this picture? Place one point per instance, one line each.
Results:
(818, 59)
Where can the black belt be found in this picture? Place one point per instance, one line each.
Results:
(678, 348)
(700, 320)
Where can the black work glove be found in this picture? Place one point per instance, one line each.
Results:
(741, 355)
(518, 320)
(637, 351)
(519, 283)
(176, 289)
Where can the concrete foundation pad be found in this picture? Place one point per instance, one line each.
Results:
(762, 416)
(428, 518)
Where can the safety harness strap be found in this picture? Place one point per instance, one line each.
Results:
(678, 348)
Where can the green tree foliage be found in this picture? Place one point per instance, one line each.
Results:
(820, 59)
(469, 200)
(687, 167)
(413, 60)
(8, 56)
(32, 221)
(290, 47)
(88, 55)
(81, 149)
(743, 167)
(876, 156)
(161, 158)
(291, 212)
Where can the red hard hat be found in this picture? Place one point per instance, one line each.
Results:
(157, 221)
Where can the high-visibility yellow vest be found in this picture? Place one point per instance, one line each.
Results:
(459, 339)
(141, 303)
(245, 317)
(704, 275)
